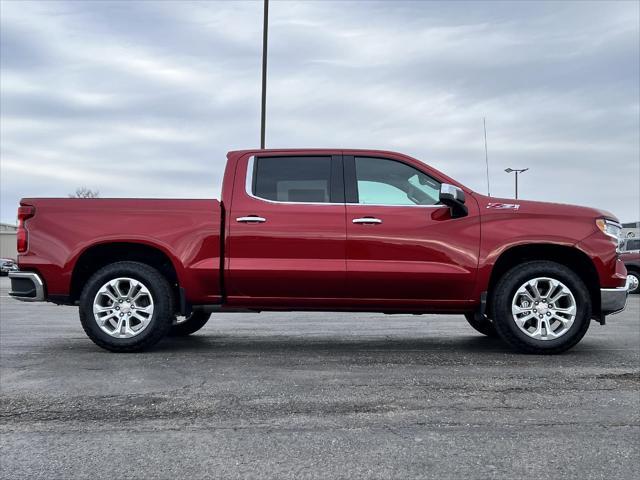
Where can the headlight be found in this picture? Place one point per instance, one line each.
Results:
(611, 229)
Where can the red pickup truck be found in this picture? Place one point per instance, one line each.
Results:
(332, 230)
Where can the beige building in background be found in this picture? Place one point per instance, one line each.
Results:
(8, 241)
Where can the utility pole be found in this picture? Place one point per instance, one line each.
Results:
(264, 73)
(486, 154)
(516, 171)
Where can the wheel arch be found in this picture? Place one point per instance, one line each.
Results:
(569, 256)
(99, 255)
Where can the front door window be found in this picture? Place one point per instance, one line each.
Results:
(388, 182)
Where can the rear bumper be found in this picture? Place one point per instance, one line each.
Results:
(613, 300)
(27, 286)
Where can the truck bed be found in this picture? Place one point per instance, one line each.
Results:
(188, 232)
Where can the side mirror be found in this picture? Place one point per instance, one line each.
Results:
(453, 197)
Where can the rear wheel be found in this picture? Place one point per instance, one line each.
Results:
(126, 307)
(481, 323)
(541, 307)
(183, 326)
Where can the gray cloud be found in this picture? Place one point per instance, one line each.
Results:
(145, 98)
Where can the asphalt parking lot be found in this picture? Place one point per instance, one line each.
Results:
(308, 395)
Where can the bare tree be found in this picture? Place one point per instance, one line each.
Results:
(84, 192)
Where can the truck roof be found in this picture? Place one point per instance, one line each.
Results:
(319, 150)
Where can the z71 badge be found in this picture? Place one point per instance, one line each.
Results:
(504, 206)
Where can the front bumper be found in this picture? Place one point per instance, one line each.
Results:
(27, 286)
(613, 300)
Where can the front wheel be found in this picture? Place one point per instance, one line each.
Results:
(126, 307)
(541, 307)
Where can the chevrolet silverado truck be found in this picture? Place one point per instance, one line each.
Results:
(324, 230)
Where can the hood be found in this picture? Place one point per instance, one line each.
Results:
(490, 205)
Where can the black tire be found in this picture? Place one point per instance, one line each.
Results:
(161, 318)
(505, 290)
(481, 323)
(633, 273)
(194, 322)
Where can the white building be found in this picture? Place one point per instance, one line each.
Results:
(8, 241)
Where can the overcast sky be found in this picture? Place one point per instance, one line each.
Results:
(145, 98)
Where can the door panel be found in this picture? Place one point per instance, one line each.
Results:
(412, 251)
(298, 251)
(417, 253)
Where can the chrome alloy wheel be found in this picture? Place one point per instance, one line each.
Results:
(632, 282)
(123, 307)
(544, 308)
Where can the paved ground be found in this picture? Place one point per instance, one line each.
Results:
(315, 396)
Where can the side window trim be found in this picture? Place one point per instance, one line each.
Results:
(351, 184)
(336, 182)
(350, 180)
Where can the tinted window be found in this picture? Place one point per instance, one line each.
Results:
(293, 179)
(387, 182)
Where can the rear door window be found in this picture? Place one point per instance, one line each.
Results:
(294, 179)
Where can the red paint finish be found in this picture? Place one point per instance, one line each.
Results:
(187, 231)
(610, 267)
(631, 261)
(541, 223)
(416, 253)
(299, 252)
(312, 256)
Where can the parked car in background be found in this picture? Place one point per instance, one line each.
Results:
(327, 230)
(630, 255)
(7, 265)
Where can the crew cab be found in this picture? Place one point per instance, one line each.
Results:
(325, 230)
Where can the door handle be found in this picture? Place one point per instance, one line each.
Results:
(367, 220)
(251, 219)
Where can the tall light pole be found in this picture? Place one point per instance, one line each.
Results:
(486, 154)
(265, 27)
(516, 171)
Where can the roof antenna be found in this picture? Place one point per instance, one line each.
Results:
(486, 154)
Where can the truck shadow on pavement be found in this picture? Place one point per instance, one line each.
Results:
(452, 347)
(324, 344)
